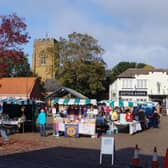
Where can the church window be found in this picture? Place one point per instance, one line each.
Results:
(43, 60)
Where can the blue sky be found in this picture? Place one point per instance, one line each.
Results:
(128, 30)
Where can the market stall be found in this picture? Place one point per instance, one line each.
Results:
(74, 121)
(120, 107)
(21, 113)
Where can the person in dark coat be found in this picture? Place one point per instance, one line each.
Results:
(155, 119)
(3, 132)
(142, 119)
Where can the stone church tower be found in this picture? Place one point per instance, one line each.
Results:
(45, 58)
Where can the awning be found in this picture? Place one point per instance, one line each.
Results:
(119, 103)
(74, 101)
(18, 100)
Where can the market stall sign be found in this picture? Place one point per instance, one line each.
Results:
(71, 130)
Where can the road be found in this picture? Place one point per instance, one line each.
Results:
(30, 150)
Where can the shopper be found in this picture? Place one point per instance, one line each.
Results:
(3, 132)
(155, 119)
(128, 115)
(42, 122)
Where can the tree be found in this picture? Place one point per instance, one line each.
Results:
(81, 65)
(21, 70)
(123, 66)
(12, 35)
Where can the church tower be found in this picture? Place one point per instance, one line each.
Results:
(45, 59)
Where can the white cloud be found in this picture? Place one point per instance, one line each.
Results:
(136, 30)
(154, 55)
(145, 36)
(139, 10)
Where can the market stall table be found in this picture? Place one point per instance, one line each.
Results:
(85, 126)
(12, 123)
(134, 126)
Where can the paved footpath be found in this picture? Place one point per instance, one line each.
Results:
(30, 150)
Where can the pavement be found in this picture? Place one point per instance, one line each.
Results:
(30, 150)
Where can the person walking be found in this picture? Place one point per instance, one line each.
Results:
(4, 117)
(41, 119)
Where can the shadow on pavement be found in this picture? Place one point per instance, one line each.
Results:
(62, 157)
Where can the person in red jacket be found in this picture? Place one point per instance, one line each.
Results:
(129, 115)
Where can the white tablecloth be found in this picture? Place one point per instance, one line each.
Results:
(134, 126)
(10, 122)
(86, 128)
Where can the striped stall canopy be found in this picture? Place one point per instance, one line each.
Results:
(11, 100)
(119, 103)
(74, 101)
(18, 100)
(107, 102)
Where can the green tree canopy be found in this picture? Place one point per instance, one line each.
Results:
(123, 66)
(21, 70)
(81, 65)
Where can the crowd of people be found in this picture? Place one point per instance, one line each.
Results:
(148, 117)
(77, 112)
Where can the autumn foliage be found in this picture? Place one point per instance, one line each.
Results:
(12, 35)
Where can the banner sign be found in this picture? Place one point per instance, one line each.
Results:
(88, 128)
(132, 93)
(71, 130)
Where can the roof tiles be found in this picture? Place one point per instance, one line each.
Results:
(17, 85)
(131, 72)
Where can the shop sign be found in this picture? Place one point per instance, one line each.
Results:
(132, 93)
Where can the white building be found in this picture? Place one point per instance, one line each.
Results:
(141, 85)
